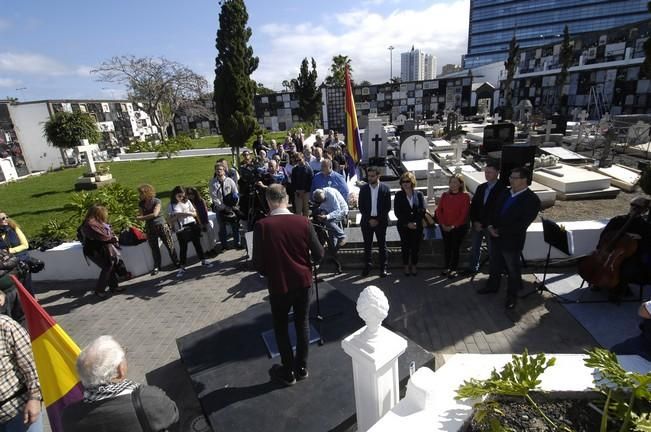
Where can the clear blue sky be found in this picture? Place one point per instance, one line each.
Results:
(49, 47)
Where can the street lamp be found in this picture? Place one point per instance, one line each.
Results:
(390, 48)
(22, 90)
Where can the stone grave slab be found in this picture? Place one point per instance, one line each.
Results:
(568, 179)
(439, 145)
(418, 167)
(476, 136)
(546, 195)
(621, 176)
(563, 154)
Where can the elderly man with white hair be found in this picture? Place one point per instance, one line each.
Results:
(330, 214)
(111, 401)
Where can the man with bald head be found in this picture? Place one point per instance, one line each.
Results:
(329, 178)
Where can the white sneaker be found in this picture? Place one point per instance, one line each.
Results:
(181, 272)
(206, 264)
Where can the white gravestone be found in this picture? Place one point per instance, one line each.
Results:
(414, 153)
(8, 169)
(496, 118)
(400, 120)
(375, 140)
(88, 149)
(374, 351)
(414, 147)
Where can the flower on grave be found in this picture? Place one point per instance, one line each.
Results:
(353, 198)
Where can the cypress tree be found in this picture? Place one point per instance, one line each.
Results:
(309, 96)
(510, 65)
(234, 88)
(565, 59)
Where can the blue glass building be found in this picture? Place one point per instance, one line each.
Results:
(540, 22)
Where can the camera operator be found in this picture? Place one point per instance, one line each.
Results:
(331, 212)
(224, 195)
(273, 175)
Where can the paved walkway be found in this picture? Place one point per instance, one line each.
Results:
(442, 316)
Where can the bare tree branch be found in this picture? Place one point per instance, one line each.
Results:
(162, 86)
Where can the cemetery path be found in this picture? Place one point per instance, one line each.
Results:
(448, 317)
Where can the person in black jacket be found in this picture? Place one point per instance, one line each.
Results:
(514, 211)
(409, 206)
(108, 395)
(375, 205)
(480, 208)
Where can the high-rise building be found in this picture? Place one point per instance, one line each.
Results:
(416, 65)
(450, 68)
(533, 22)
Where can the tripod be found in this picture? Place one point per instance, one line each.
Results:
(318, 317)
(324, 234)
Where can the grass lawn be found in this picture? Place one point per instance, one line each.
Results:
(217, 140)
(35, 200)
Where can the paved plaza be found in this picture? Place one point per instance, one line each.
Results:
(443, 316)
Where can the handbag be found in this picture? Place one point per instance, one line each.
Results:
(428, 219)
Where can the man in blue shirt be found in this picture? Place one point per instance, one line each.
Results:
(329, 178)
(332, 211)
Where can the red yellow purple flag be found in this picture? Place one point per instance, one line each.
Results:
(353, 139)
(55, 354)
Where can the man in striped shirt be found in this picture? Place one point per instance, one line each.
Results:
(20, 391)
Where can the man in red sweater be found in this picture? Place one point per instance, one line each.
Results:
(282, 244)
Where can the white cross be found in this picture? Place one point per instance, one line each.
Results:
(583, 116)
(88, 149)
(496, 118)
(548, 129)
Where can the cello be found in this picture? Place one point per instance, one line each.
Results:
(601, 268)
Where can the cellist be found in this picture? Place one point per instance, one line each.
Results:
(634, 269)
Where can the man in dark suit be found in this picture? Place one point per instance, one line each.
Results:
(514, 211)
(375, 205)
(282, 244)
(481, 207)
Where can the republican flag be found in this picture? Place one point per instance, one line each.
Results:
(55, 354)
(353, 139)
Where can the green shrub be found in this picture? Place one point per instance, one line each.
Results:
(120, 201)
(173, 146)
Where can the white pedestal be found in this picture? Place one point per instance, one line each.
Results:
(375, 373)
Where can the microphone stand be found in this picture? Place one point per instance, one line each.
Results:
(318, 317)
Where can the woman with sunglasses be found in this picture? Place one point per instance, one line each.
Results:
(156, 226)
(409, 207)
(13, 240)
(183, 219)
(452, 215)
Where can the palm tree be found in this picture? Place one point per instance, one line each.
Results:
(337, 75)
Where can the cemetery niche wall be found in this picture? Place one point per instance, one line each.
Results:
(604, 74)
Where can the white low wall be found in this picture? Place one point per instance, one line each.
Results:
(582, 237)
(432, 407)
(67, 261)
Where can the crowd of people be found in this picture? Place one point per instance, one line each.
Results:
(295, 200)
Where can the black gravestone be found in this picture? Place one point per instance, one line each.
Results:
(497, 136)
(560, 124)
(515, 157)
